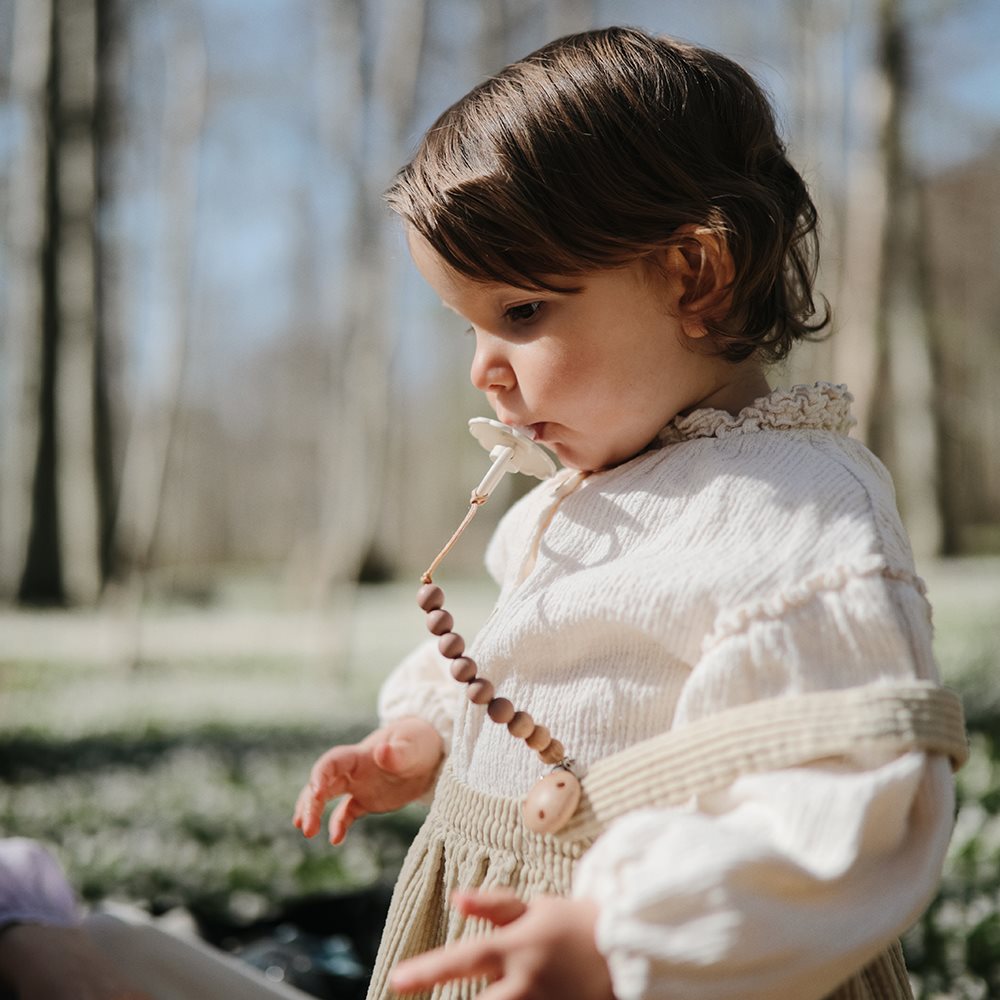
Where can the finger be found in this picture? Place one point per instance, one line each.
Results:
(330, 777)
(343, 818)
(330, 774)
(308, 811)
(468, 960)
(508, 988)
(302, 815)
(498, 906)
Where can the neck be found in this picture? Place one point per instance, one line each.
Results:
(744, 384)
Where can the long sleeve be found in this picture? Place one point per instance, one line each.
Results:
(33, 888)
(786, 882)
(421, 685)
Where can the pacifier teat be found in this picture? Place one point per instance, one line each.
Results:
(511, 451)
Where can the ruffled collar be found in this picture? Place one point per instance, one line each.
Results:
(821, 407)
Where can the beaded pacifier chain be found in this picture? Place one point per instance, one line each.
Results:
(553, 800)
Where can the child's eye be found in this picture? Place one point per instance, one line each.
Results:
(523, 313)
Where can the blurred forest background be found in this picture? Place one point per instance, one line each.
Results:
(229, 409)
(216, 358)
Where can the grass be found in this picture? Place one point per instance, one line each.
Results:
(200, 818)
(172, 784)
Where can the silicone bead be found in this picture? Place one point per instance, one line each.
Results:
(539, 738)
(430, 597)
(521, 725)
(452, 645)
(463, 669)
(439, 621)
(480, 691)
(552, 801)
(553, 753)
(500, 710)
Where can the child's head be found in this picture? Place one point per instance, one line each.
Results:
(606, 146)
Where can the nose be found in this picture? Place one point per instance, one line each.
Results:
(491, 369)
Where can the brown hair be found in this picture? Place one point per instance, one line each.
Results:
(596, 150)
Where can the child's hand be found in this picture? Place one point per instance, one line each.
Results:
(544, 949)
(388, 769)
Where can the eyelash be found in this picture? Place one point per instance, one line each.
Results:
(510, 315)
(520, 320)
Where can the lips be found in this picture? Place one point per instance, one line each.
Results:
(534, 431)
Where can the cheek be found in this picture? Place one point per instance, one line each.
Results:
(580, 364)
(549, 372)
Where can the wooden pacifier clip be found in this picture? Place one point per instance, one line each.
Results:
(553, 800)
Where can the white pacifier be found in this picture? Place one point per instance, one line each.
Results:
(511, 451)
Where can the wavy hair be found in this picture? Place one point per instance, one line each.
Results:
(604, 147)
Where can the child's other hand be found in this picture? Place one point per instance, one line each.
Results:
(388, 769)
(543, 949)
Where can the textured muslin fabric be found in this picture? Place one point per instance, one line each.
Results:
(738, 559)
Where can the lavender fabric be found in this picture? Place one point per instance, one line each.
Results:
(33, 888)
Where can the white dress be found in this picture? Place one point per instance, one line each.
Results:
(737, 559)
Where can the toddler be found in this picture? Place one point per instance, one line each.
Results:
(710, 615)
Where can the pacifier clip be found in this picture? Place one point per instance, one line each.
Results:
(554, 798)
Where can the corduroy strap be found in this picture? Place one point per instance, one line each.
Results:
(769, 735)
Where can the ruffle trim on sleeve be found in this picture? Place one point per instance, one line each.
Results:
(739, 619)
(822, 406)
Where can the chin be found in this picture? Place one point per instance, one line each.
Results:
(597, 463)
(571, 459)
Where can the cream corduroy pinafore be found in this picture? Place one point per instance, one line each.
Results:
(474, 840)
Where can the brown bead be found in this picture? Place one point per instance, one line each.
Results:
(480, 691)
(521, 725)
(451, 645)
(500, 710)
(539, 738)
(463, 669)
(553, 753)
(430, 597)
(439, 621)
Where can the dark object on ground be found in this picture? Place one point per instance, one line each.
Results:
(324, 945)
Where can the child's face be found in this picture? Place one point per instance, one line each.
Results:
(593, 374)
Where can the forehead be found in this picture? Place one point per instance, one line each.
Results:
(452, 287)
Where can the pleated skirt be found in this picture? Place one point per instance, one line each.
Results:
(472, 840)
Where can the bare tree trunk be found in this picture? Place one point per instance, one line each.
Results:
(22, 343)
(152, 436)
(942, 417)
(913, 430)
(818, 92)
(76, 316)
(54, 431)
(859, 347)
(110, 31)
(369, 121)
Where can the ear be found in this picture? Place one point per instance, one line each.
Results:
(700, 259)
